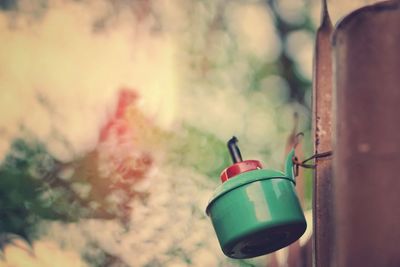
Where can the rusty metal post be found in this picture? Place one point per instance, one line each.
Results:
(322, 129)
(367, 150)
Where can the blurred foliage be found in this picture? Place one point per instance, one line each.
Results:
(24, 177)
(285, 63)
(34, 186)
(204, 152)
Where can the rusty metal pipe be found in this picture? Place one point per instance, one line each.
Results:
(367, 137)
(322, 128)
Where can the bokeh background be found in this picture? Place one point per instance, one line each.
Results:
(114, 116)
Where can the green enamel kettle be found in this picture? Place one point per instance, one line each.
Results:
(255, 211)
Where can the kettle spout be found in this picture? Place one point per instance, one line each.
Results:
(289, 166)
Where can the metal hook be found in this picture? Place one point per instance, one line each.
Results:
(297, 163)
(304, 164)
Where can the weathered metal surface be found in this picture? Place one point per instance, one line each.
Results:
(367, 150)
(322, 129)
